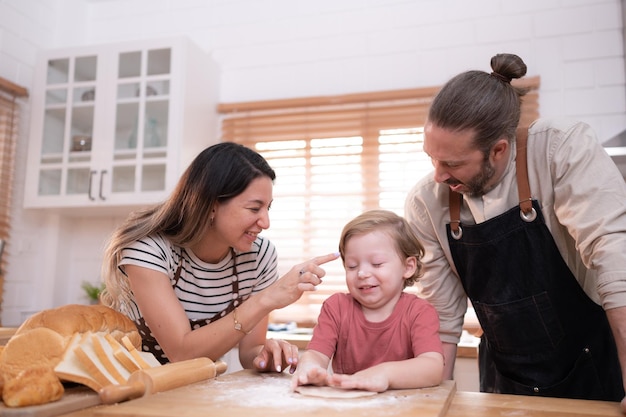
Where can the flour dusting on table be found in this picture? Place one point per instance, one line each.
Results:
(274, 391)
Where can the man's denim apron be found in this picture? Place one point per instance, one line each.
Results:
(542, 334)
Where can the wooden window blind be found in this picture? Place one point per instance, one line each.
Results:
(334, 158)
(9, 122)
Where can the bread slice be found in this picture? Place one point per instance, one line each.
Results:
(122, 355)
(71, 369)
(145, 360)
(104, 353)
(90, 360)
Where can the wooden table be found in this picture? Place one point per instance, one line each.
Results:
(479, 404)
(463, 404)
(5, 334)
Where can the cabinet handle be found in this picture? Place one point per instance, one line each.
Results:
(104, 171)
(91, 174)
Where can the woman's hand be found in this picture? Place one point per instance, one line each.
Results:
(276, 355)
(302, 277)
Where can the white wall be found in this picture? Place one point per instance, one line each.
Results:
(25, 28)
(293, 48)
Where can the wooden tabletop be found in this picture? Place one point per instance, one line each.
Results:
(463, 404)
(5, 334)
(480, 404)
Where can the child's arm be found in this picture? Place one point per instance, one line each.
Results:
(312, 369)
(426, 370)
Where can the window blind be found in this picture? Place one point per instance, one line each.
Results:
(9, 122)
(334, 158)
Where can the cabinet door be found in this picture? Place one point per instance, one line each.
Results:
(142, 112)
(65, 155)
(114, 125)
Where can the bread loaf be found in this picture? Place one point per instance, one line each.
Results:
(76, 318)
(41, 341)
(39, 347)
(32, 386)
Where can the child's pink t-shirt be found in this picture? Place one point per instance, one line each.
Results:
(357, 344)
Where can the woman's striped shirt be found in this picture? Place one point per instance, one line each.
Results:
(204, 289)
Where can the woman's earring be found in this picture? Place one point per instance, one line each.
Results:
(211, 221)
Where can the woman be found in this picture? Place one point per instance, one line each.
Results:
(194, 273)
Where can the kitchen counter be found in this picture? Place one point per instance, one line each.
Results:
(212, 398)
(463, 404)
(480, 404)
(5, 334)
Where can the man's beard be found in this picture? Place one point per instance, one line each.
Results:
(477, 186)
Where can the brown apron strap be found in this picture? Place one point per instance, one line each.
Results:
(177, 276)
(235, 286)
(523, 185)
(455, 212)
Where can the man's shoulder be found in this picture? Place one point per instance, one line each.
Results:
(425, 185)
(551, 127)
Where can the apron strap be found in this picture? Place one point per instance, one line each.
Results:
(521, 164)
(177, 276)
(455, 214)
(523, 186)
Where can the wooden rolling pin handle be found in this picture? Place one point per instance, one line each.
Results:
(112, 394)
(220, 367)
(162, 378)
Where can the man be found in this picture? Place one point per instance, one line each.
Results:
(538, 247)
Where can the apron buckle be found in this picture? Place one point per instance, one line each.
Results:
(530, 216)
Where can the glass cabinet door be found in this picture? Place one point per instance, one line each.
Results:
(68, 126)
(114, 125)
(141, 121)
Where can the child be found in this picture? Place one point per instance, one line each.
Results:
(378, 336)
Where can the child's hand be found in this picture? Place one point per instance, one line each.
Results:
(309, 375)
(364, 380)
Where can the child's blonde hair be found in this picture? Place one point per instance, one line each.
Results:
(406, 242)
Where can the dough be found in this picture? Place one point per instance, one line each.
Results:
(332, 392)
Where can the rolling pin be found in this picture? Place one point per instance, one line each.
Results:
(162, 378)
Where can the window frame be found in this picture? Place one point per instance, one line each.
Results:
(363, 115)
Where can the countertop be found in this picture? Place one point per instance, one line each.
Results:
(462, 404)
(6, 333)
(248, 393)
(480, 404)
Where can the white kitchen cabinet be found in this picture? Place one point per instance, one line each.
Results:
(115, 125)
